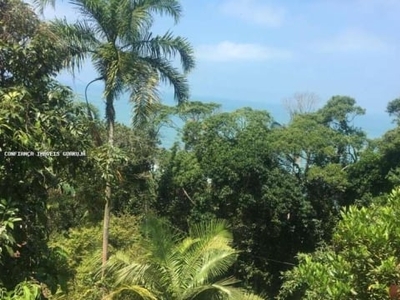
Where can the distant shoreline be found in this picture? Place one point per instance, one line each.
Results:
(375, 125)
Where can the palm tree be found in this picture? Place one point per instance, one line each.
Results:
(172, 266)
(115, 35)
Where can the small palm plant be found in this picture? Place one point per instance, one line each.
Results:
(172, 266)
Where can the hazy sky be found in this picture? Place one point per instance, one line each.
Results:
(260, 51)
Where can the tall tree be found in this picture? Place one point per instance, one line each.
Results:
(116, 36)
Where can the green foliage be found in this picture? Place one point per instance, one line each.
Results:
(393, 109)
(82, 246)
(229, 171)
(32, 127)
(109, 159)
(280, 187)
(8, 217)
(29, 51)
(23, 291)
(175, 266)
(361, 262)
(180, 180)
(37, 115)
(376, 173)
(303, 143)
(324, 137)
(196, 110)
(135, 189)
(320, 149)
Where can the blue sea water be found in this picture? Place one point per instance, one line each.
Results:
(375, 124)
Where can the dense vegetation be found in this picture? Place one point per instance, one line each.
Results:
(241, 208)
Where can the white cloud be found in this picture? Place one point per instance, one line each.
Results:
(254, 11)
(230, 51)
(352, 41)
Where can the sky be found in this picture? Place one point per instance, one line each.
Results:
(258, 52)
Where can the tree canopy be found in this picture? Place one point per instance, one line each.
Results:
(240, 207)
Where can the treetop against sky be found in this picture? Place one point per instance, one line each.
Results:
(264, 51)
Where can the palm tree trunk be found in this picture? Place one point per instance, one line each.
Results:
(106, 227)
(110, 116)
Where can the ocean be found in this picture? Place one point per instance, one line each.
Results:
(373, 123)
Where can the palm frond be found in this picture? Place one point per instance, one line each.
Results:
(145, 98)
(134, 21)
(108, 63)
(211, 256)
(97, 13)
(159, 241)
(118, 261)
(167, 47)
(151, 270)
(216, 227)
(135, 291)
(186, 244)
(171, 8)
(170, 75)
(173, 267)
(114, 84)
(41, 4)
(132, 273)
(99, 65)
(77, 40)
(159, 238)
(224, 289)
(128, 270)
(216, 264)
(94, 262)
